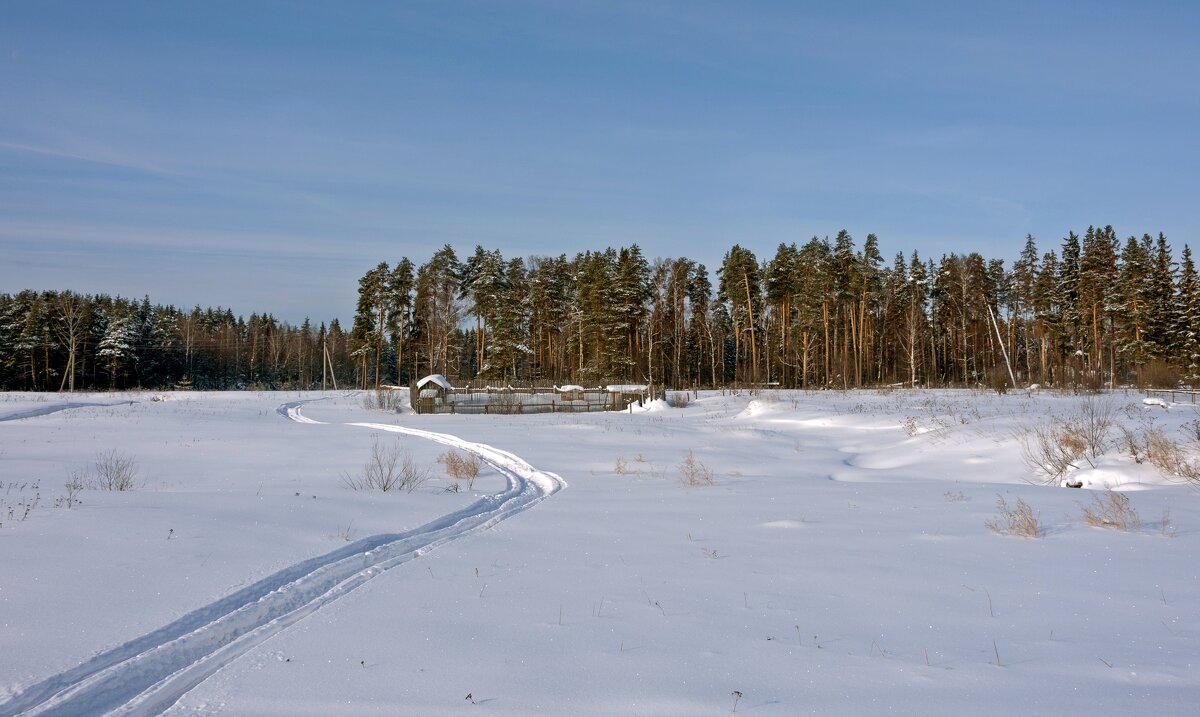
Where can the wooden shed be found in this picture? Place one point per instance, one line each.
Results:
(431, 392)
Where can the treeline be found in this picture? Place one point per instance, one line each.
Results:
(1095, 310)
(65, 341)
(1091, 311)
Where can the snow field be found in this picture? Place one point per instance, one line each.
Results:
(839, 565)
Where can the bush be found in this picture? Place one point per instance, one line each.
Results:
(114, 470)
(1015, 520)
(1111, 511)
(383, 399)
(679, 399)
(461, 466)
(998, 380)
(694, 473)
(388, 468)
(1095, 420)
(1054, 448)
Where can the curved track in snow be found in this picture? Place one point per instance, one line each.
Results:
(147, 675)
(54, 408)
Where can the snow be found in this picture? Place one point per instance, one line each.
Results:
(626, 388)
(1155, 403)
(569, 388)
(838, 565)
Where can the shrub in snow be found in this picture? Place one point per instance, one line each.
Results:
(1053, 448)
(461, 466)
(388, 468)
(1057, 446)
(73, 486)
(382, 399)
(114, 470)
(694, 473)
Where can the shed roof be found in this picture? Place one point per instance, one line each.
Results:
(627, 388)
(437, 379)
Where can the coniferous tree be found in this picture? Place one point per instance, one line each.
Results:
(1132, 301)
(1023, 279)
(437, 311)
(1187, 316)
(740, 290)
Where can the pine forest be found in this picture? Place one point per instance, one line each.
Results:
(1092, 311)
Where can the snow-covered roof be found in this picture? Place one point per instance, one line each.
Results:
(437, 379)
(569, 388)
(627, 388)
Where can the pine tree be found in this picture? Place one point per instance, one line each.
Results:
(702, 339)
(1132, 302)
(116, 346)
(740, 289)
(1023, 279)
(370, 319)
(814, 304)
(1187, 316)
(551, 292)
(399, 291)
(437, 310)
(1068, 294)
(1047, 316)
(780, 279)
(631, 293)
(1161, 293)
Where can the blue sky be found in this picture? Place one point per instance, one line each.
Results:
(263, 156)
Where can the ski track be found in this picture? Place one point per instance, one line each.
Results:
(54, 408)
(147, 675)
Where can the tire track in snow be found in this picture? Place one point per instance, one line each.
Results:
(147, 675)
(291, 410)
(55, 408)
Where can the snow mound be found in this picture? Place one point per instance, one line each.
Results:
(654, 406)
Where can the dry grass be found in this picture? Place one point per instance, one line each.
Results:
(694, 473)
(1169, 457)
(1133, 445)
(1015, 520)
(461, 466)
(1111, 510)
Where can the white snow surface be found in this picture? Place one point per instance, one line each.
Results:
(839, 563)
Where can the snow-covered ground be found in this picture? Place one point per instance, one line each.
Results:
(838, 564)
